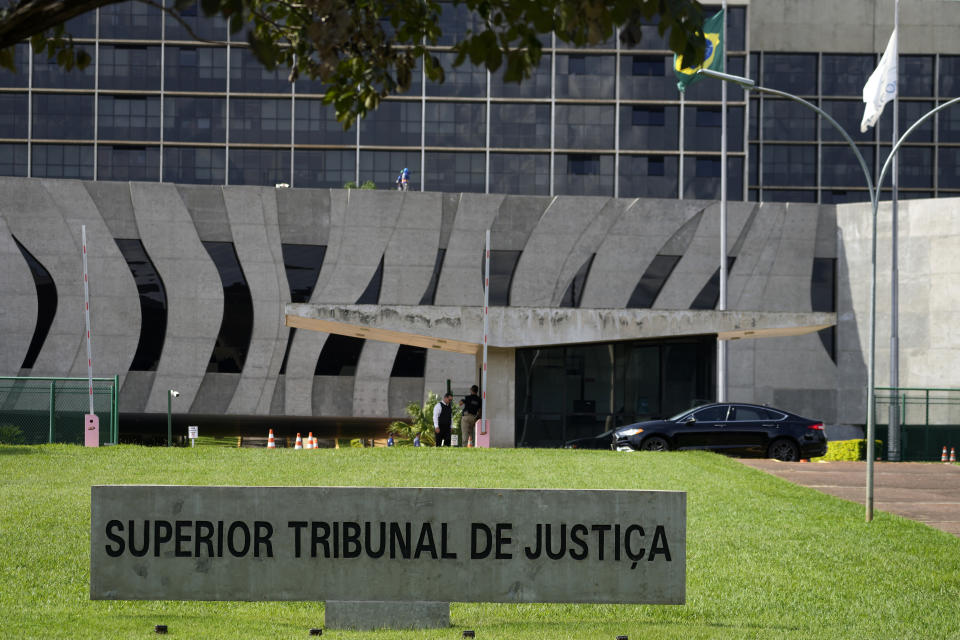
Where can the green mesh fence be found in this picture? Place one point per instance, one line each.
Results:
(47, 410)
(929, 421)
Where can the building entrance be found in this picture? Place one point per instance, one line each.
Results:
(583, 390)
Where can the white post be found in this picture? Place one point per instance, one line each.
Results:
(484, 420)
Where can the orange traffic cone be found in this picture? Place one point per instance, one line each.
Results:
(271, 443)
(953, 454)
(299, 443)
(309, 443)
(316, 443)
(943, 455)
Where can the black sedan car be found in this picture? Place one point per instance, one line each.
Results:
(728, 427)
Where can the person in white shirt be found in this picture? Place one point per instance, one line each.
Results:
(442, 420)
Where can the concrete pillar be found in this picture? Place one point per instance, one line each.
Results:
(501, 395)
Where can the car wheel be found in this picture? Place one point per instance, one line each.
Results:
(784, 450)
(655, 443)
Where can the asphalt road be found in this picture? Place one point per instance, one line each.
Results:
(928, 492)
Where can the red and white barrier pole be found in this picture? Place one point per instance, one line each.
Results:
(91, 422)
(483, 438)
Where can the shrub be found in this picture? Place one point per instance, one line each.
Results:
(11, 434)
(848, 450)
(369, 184)
(421, 423)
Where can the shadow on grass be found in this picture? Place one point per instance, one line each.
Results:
(17, 450)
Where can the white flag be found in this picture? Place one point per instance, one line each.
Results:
(881, 88)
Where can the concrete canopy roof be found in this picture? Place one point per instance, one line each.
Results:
(460, 329)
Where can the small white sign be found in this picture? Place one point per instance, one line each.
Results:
(193, 432)
(454, 440)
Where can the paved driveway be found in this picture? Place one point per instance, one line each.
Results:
(927, 492)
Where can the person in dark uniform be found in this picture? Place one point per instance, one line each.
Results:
(442, 420)
(471, 411)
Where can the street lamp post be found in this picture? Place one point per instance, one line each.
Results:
(171, 394)
(747, 83)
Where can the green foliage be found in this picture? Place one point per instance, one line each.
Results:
(369, 185)
(761, 553)
(421, 422)
(850, 450)
(344, 43)
(350, 185)
(11, 434)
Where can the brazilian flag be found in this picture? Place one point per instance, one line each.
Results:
(712, 56)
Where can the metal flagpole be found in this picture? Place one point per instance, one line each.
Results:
(893, 429)
(484, 420)
(722, 303)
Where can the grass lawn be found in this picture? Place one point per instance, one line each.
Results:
(765, 559)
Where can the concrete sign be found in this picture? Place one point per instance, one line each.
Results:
(387, 544)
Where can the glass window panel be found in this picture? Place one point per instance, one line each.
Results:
(519, 126)
(129, 66)
(754, 132)
(63, 116)
(465, 81)
(265, 167)
(585, 76)
(503, 264)
(383, 166)
(194, 119)
(789, 195)
(13, 114)
(915, 76)
(46, 72)
(125, 163)
(789, 165)
(736, 28)
(194, 165)
(316, 123)
(916, 167)
(649, 37)
(214, 28)
(455, 124)
(455, 21)
(754, 168)
(62, 161)
(710, 89)
(791, 72)
(331, 168)
(302, 263)
(83, 26)
(236, 328)
(648, 176)
(647, 77)
(581, 126)
(702, 130)
(129, 117)
(130, 21)
(583, 174)
(788, 120)
(949, 76)
(520, 173)
(153, 305)
(260, 120)
(909, 111)
(652, 281)
(536, 86)
(649, 127)
(841, 196)
(949, 124)
(248, 75)
(13, 159)
(195, 68)
(702, 177)
(845, 75)
(848, 114)
(841, 167)
(393, 123)
(455, 172)
(21, 62)
(948, 168)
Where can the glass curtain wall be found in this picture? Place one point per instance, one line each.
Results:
(583, 390)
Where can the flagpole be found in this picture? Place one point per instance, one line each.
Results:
(722, 303)
(893, 425)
